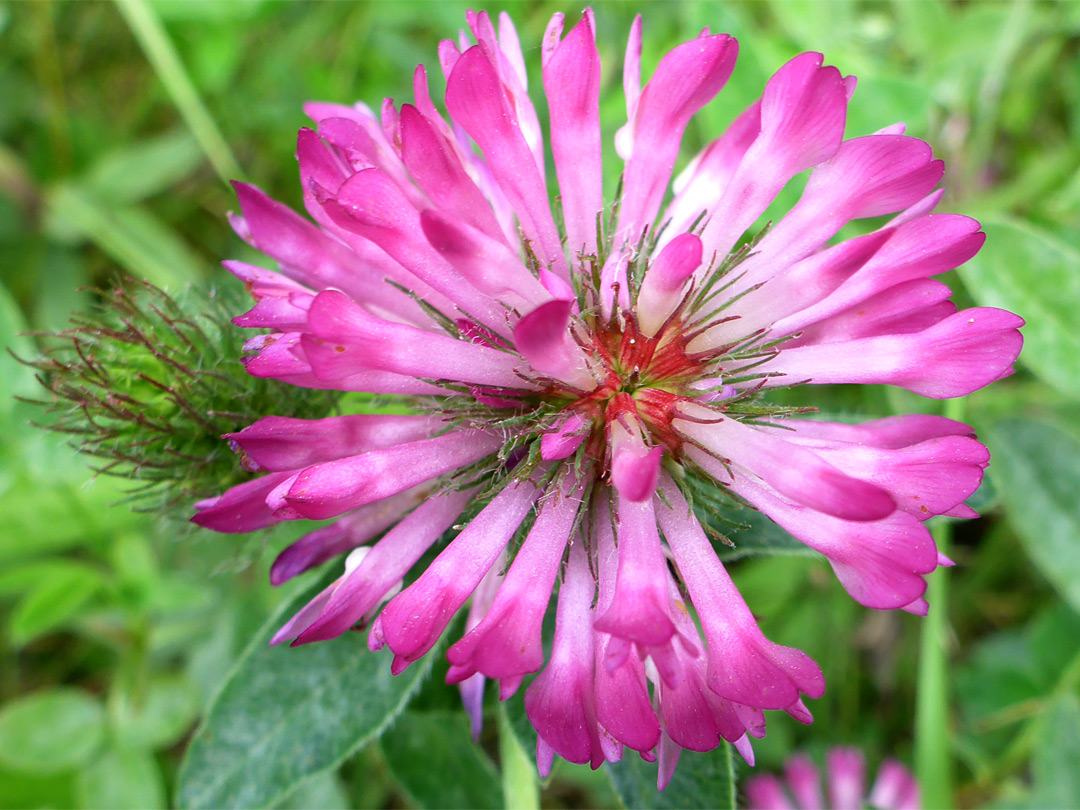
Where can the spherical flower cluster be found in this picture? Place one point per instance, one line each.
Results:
(569, 385)
(845, 780)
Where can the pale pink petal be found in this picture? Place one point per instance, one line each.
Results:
(414, 619)
(335, 487)
(956, 356)
(572, 87)
(685, 80)
(361, 590)
(477, 100)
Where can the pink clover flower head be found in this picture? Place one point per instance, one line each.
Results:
(569, 378)
(845, 785)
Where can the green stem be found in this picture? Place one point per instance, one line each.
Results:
(161, 52)
(933, 761)
(520, 788)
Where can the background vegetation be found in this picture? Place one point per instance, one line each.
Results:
(118, 628)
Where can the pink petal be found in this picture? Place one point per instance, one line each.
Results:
(804, 782)
(639, 610)
(334, 487)
(507, 641)
(867, 177)
(923, 247)
(478, 101)
(359, 591)
(414, 619)
(369, 204)
(341, 536)
(560, 703)
(664, 284)
(437, 169)
(346, 339)
(634, 465)
(766, 793)
(486, 263)
(543, 339)
(685, 80)
(744, 666)
(956, 356)
(286, 443)
(242, 508)
(572, 87)
(792, 470)
(846, 771)
(704, 179)
(564, 441)
(909, 307)
(880, 563)
(803, 111)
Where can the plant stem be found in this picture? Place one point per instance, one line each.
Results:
(933, 761)
(161, 52)
(520, 788)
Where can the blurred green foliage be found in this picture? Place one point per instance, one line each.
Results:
(116, 629)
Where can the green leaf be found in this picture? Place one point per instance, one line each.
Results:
(700, 780)
(15, 378)
(122, 779)
(519, 777)
(436, 763)
(137, 171)
(880, 102)
(322, 792)
(51, 731)
(133, 237)
(1056, 764)
(53, 603)
(1037, 467)
(1027, 270)
(285, 714)
(158, 718)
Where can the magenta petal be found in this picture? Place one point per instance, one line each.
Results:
(804, 782)
(638, 610)
(634, 465)
(564, 441)
(894, 787)
(486, 263)
(846, 771)
(952, 358)
(560, 703)
(360, 590)
(371, 205)
(802, 117)
(766, 793)
(687, 78)
(794, 471)
(664, 282)
(437, 169)
(242, 508)
(543, 339)
(414, 619)
(334, 487)
(744, 666)
(346, 339)
(707, 175)
(572, 86)
(880, 563)
(286, 443)
(478, 101)
(344, 534)
(507, 642)
(893, 432)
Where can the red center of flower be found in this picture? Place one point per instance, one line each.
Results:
(646, 376)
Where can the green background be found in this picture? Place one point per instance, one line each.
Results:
(118, 629)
